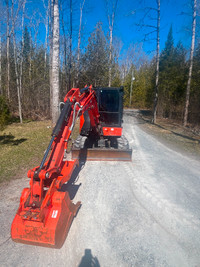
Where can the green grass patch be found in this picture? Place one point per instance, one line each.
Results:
(22, 147)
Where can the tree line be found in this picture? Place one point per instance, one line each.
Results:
(30, 69)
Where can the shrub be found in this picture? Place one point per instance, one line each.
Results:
(4, 113)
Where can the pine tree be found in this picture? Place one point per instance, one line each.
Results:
(167, 64)
(96, 58)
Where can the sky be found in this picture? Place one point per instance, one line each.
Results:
(129, 13)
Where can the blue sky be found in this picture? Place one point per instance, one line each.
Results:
(129, 14)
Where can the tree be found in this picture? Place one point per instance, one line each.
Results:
(17, 74)
(111, 18)
(153, 14)
(70, 46)
(157, 61)
(79, 41)
(95, 60)
(195, 92)
(55, 63)
(194, 7)
(167, 83)
(8, 47)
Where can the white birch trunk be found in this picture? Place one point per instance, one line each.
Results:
(46, 34)
(8, 49)
(16, 67)
(111, 19)
(21, 62)
(157, 62)
(51, 19)
(110, 59)
(55, 64)
(79, 42)
(70, 46)
(187, 100)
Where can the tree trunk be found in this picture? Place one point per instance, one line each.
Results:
(111, 19)
(17, 80)
(46, 35)
(157, 63)
(110, 59)
(21, 61)
(51, 20)
(8, 49)
(0, 70)
(187, 100)
(70, 45)
(55, 63)
(16, 67)
(79, 42)
(130, 99)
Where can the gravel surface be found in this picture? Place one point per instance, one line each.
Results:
(140, 213)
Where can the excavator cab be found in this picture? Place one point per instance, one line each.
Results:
(110, 104)
(108, 143)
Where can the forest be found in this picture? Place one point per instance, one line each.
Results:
(166, 83)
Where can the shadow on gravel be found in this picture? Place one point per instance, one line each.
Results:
(88, 260)
(71, 187)
(10, 140)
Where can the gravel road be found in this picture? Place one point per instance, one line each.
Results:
(140, 213)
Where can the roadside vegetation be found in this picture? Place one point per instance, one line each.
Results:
(185, 140)
(22, 147)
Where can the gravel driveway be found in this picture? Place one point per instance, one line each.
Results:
(140, 213)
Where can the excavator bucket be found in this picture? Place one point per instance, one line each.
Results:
(49, 229)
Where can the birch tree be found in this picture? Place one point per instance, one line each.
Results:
(21, 61)
(70, 45)
(154, 29)
(79, 41)
(157, 62)
(15, 62)
(187, 101)
(55, 63)
(8, 49)
(111, 17)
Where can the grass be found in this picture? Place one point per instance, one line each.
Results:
(22, 147)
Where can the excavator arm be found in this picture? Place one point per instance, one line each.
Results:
(46, 212)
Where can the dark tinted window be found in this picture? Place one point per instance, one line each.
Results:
(109, 100)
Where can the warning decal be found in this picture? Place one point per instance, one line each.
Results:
(54, 214)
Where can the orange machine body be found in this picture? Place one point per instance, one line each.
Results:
(46, 212)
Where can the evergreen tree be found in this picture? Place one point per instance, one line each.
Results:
(27, 45)
(96, 58)
(166, 87)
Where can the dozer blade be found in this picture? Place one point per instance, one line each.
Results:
(53, 229)
(102, 154)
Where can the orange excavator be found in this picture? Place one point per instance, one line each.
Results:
(46, 211)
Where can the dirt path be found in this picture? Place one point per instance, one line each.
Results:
(140, 213)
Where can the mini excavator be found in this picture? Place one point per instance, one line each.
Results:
(46, 211)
